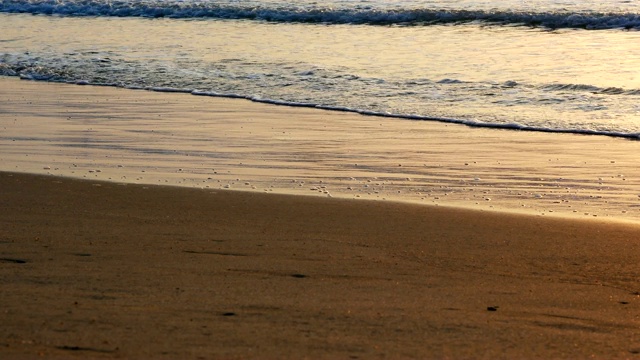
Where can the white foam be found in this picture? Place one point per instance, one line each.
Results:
(372, 16)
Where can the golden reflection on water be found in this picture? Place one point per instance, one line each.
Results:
(606, 58)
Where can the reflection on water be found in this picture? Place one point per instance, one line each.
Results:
(564, 79)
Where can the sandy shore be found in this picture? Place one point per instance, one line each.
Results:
(114, 266)
(106, 133)
(104, 270)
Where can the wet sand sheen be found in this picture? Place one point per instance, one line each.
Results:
(178, 139)
(95, 269)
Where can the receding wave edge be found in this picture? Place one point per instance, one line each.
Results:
(466, 122)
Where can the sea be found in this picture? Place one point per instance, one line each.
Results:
(546, 65)
(553, 66)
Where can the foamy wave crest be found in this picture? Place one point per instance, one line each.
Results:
(590, 88)
(466, 122)
(202, 9)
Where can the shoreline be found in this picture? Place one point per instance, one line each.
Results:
(105, 270)
(142, 224)
(345, 110)
(114, 134)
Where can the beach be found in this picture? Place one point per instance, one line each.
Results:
(115, 245)
(154, 137)
(105, 270)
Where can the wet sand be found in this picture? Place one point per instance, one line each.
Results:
(106, 133)
(105, 270)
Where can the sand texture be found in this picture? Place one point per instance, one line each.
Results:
(107, 133)
(104, 270)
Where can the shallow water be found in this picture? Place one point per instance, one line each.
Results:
(483, 72)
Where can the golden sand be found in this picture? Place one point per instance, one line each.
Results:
(94, 269)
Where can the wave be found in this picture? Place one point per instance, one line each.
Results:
(408, 17)
(590, 89)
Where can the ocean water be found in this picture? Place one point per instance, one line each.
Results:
(542, 65)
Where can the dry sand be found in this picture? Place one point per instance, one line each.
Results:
(92, 269)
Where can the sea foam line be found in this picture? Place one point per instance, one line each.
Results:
(466, 122)
(203, 9)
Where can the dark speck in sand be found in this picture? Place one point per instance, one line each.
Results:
(300, 276)
(15, 261)
(81, 348)
(492, 308)
(229, 314)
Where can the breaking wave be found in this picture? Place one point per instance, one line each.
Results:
(406, 17)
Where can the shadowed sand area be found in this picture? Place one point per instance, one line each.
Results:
(104, 270)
